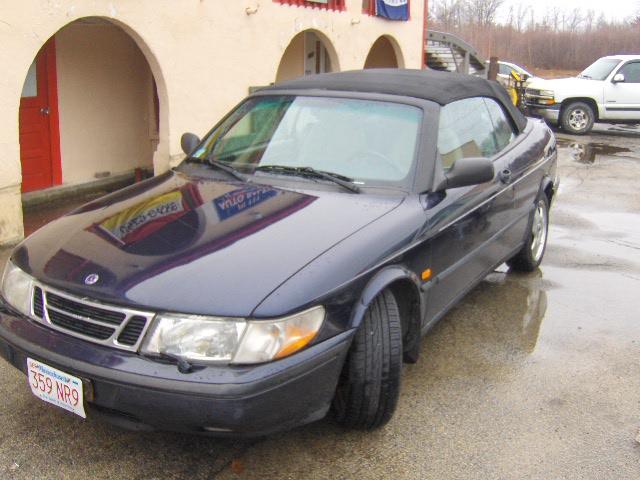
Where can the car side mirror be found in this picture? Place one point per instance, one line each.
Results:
(466, 172)
(618, 78)
(189, 142)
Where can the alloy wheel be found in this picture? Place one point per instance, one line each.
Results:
(539, 231)
(578, 119)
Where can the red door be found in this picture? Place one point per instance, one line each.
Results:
(38, 124)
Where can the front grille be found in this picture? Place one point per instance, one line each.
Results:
(38, 308)
(100, 314)
(132, 331)
(80, 326)
(108, 325)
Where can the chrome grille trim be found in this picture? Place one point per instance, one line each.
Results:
(112, 341)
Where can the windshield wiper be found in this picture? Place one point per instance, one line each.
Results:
(310, 172)
(225, 167)
(588, 77)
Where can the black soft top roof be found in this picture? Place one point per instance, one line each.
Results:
(439, 87)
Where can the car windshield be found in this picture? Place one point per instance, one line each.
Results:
(600, 69)
(366, 141)
(522, 71)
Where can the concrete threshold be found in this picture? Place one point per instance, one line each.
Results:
(63, 193)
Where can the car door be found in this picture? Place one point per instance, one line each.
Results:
(468, 220)
(515, 160)
(622, 99)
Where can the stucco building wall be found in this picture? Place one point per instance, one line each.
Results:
(382, 55)
(104, 96)
(292, 62)
(204, 55)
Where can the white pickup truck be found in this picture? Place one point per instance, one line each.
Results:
(608, 91)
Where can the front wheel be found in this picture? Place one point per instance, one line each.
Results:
(577, 118)
(369, 385)
(530, 256)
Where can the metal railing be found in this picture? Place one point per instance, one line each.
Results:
(445, 51)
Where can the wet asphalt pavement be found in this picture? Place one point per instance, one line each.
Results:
(531, 376)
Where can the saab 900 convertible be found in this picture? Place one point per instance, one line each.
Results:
(292, 261)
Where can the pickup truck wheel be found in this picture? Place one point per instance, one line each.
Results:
(577, 118)
(369, 385)
(530, 256)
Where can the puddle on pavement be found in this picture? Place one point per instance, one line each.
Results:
(492, 331)
(589, 152)
(587, 240)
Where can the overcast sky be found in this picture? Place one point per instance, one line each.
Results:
(613, 9)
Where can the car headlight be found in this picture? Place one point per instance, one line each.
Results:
(267, 340)
(547, 93)
(212, 339)
(16, 288)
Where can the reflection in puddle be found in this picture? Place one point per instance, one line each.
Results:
(588, 152)
(518, 327)
(494, 329)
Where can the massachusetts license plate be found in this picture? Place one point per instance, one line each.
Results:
(55, 386)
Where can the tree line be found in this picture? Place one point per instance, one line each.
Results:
(562, 39)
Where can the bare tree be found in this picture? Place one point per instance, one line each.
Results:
(589, 20)
(553, 19)
(449, 13)
(520, 16)
(561, 40)
(483, 12)
(574, 19)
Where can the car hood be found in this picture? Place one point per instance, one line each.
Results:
(572, 85)
(533, 80)
(194, 245)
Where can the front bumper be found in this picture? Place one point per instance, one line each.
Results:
(138, 393)
(550, 113)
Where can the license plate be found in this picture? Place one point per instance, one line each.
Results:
(56, 387)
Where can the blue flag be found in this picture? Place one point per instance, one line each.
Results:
(393, 9)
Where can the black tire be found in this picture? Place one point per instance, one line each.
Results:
(577, 118)
(367, 393)
(531, 254)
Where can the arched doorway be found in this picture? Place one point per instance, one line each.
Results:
(384, 53)
(308, 53)
(90, 107)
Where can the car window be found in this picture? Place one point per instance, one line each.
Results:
(247, 136)
(504, 69)
(631, 72)
(503, 130)
(600, 69)
(465, 131)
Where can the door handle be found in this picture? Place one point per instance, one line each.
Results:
(44, 110)
(505, 175)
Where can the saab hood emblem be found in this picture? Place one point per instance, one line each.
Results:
(91, 279)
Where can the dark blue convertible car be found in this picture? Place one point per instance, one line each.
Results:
(290, 264)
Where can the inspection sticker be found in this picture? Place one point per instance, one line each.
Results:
(56, 387)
